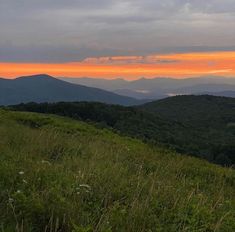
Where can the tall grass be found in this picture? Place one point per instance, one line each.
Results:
(57, 174)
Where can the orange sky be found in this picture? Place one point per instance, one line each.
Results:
(132, 67)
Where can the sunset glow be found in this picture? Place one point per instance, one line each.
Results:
(131, 67)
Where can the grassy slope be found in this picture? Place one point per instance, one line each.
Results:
(203, 126)
(57, 174)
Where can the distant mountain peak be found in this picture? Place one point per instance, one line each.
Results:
(44, 76)
(45, 88)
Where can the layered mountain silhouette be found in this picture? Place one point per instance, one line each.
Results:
(44, 88)
(158, 88)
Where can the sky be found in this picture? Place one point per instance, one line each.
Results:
(125, 38)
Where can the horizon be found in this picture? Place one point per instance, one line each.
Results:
(118, 78)
(182, 65)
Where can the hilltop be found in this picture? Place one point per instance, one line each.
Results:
(58, 174)
(211, 121)
(190, 109)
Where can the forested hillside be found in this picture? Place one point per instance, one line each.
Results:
(202, 126)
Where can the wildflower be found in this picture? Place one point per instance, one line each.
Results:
(85, 186)
(10, 200)
(21, 173)
(18, 191)
(46, 162)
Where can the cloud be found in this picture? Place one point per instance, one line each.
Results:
(151, 59)
(70, 30)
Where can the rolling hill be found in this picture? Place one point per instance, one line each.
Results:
(195, 109)
(44, 88)
(211, 121)
(224, 93)
(58, 174)
(202, 126)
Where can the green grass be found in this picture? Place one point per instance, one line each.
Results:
(57, 174)
(201, 126)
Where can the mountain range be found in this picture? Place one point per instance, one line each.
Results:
(44, 88)
(158, 88)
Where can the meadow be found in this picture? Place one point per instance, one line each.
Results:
(59, 174)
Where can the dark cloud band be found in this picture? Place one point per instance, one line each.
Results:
(71, 30)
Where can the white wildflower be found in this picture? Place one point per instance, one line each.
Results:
(85, 186)
(18, 191)
(46, 162)
(21, 173)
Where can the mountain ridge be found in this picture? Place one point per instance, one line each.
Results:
(161, 87)
(45, 88)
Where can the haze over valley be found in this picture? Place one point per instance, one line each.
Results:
(161, 87)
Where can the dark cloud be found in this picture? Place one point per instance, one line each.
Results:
(71, 30)
(50, 54)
